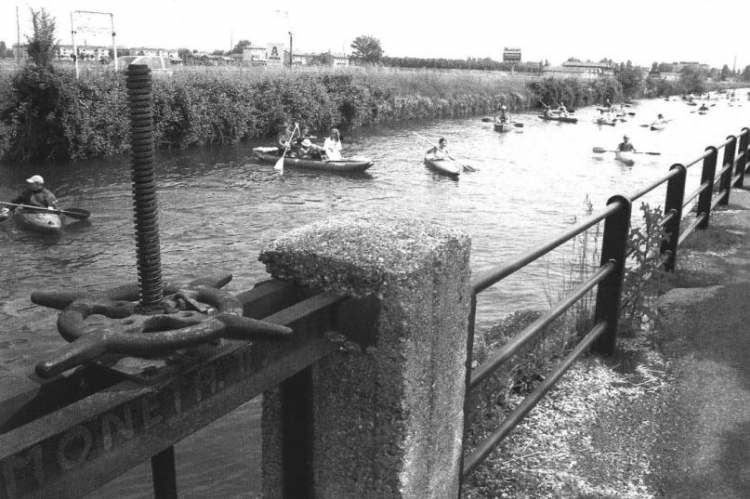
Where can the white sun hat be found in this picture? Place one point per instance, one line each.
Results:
(35, 179)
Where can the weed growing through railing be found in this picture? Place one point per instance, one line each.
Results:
(525, 370)
(644, 272)
(585, 259)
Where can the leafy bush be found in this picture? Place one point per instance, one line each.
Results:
(643, 277)
(575, 92)
(49, 114)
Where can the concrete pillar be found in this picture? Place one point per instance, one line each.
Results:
(387, 411)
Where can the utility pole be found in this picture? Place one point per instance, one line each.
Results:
(291, 56)
(18, 38)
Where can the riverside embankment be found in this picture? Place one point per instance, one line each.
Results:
(47, 114)
(664, 418)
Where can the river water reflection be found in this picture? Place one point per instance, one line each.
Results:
(219, 207)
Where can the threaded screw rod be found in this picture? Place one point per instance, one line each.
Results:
(144, 185)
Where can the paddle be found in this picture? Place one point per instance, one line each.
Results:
(279, 166)
(77, 213)
(600, 150)
(465, 167)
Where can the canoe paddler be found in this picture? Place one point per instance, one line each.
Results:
(439, 151)
(35, 194)
(502, 116)
(659, 120)
(625, 145)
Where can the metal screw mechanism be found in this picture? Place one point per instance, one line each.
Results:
(144, 185)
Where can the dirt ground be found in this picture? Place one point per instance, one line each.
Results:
(696, 432)
(704, 446)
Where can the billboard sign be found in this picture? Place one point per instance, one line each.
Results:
(275, 54)
(511, 55)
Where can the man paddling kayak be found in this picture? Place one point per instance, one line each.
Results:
(659, 121)
(502, 116)
(625, 145)
(562, 109)
(439, 151)
(35, 194)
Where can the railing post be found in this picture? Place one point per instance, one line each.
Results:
(743, 157)
(297, 431)
(387, 408)
(725, 186)
(608, 294)
(164, 474)
(468, 367)
(673, 206)
(707, 178)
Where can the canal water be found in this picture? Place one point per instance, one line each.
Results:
(219, 207)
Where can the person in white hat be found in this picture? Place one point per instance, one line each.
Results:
(35, 194)
(503, 116)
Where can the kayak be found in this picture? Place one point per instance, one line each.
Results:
(443, 165)
(353, 164)
(603, 121)
(625, 157)
(503, 127)
(562, 119)
(703, 111)
(40, 221)
(659, 126)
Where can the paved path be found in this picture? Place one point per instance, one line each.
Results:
(705, 440)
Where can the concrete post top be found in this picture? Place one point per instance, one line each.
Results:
(355, 253)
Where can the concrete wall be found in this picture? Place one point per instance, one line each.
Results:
(387, 412)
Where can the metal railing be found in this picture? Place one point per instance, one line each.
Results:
(714, 190)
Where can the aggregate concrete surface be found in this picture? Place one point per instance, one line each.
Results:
(703, 448)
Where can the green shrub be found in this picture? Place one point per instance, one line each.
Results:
(48, 114)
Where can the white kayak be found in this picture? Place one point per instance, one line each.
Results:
(445, 166)
(625, 157)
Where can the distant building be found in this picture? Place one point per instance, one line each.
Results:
(84, 53)
(254, 56)
(511, 55)
(269, 56)
(155, 52)
(576, 69)
(298, 59)
(677, 67)
(340, 60)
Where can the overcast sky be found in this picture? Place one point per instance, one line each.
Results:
(643, 31)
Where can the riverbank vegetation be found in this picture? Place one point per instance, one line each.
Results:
(48, 114)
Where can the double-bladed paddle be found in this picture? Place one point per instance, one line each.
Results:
(77, 213)
(600, 150)
(465, 167)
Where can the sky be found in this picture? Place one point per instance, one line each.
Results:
(642, 31)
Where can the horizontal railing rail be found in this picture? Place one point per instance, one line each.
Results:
(714, 190)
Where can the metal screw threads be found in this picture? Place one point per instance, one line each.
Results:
(144, 185)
